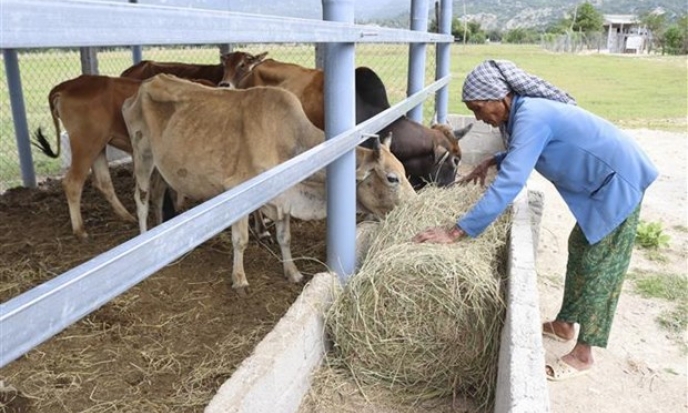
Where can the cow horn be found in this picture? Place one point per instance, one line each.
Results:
(460, 133)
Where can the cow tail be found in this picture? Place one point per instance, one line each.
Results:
(40, 140)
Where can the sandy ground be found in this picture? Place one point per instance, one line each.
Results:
(643, 369)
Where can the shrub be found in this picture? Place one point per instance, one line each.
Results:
(650, 235)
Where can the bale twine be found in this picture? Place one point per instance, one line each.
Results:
(424, 319)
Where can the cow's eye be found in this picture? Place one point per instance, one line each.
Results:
(392, 178)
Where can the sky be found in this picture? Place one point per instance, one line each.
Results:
(311, 9)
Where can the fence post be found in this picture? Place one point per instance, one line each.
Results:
(136, 51)
(21, 129)
(226, 48)
(416, 70)
(443, 55)
(89, 60)
(339, 117)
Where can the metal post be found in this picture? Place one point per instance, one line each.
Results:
(136, 51)
(21, 129)
(89, 60)
(416, 71)
(339, 117)
(320, 55)
(443, 58)
(226, 48)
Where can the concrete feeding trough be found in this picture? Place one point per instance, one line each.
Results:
(277, 375)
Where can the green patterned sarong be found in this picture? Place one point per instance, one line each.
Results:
(594, 277)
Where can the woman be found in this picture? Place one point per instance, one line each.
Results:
(600, 173)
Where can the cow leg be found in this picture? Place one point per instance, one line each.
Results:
(157, 196)
(73, 184)
(143, 169)
(284, 239)
(259, 227)
(239, 243)
(103, 182)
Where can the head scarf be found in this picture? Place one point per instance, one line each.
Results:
(494, 79)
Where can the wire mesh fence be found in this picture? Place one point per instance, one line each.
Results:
(574, 42)
(43, 69)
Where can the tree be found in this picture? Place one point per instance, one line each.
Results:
(676, 37)
(472, 30)
(588, 19)
(655, 23)
(584, 18)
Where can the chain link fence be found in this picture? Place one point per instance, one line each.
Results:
(574, 42)
(42, 69)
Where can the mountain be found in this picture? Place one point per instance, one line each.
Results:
(492, 14)
(504, 14)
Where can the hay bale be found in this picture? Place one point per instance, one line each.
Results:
(424, 318)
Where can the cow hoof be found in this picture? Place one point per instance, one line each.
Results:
(82, 236)
(295, 278)
(266, 237)
(241, 290)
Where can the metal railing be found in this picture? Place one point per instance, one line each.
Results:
(33, 317)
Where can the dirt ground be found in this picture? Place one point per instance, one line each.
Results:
(643, 369)
(164, 346)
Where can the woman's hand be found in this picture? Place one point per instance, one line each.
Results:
(440, 235)
(479, 173)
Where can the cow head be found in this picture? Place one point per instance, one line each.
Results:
(381, 182)
(238, 65)
(445, 158)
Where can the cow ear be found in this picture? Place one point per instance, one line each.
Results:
(387, 141)
(362, 174)
(259, 57)
(460, 133)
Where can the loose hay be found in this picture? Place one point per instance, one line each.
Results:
(424, 319)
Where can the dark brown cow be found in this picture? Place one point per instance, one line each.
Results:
(428, 154)
(90, 108)
(146, 69)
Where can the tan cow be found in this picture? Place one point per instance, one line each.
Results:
(90, 108)
(240, 134)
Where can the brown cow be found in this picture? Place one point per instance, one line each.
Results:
(90, 108)
(146, 69)
(243, 133)
(428, 154)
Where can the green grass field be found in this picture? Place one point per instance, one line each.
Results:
(632, 91)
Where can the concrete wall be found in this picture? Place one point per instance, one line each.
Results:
(277, 375)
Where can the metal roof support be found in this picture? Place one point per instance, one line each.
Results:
(443, 54)
(340, 117)
(416, 69)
